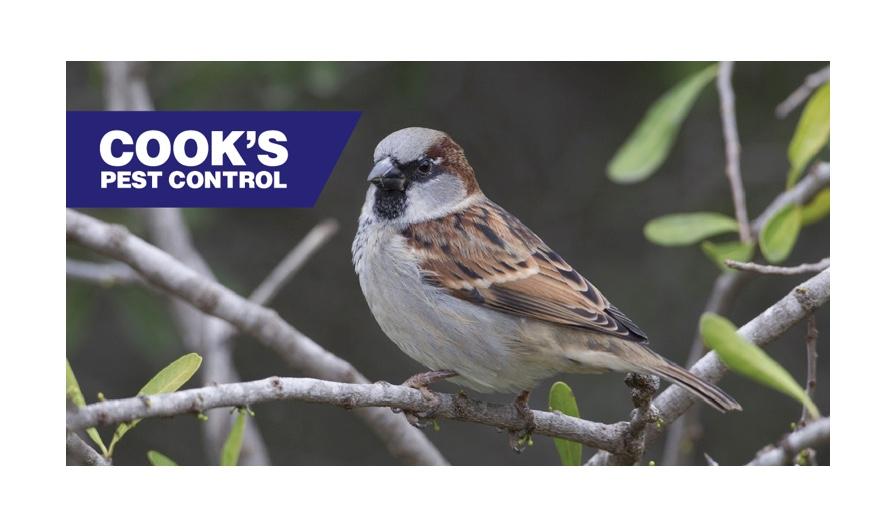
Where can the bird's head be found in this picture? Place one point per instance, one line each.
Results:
(419, 174)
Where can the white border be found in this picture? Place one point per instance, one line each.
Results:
(39, 39)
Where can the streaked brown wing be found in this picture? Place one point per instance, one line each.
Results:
(492, 259)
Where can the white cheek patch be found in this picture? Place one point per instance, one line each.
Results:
(434, 198)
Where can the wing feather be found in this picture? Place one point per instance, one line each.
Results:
(487, 256)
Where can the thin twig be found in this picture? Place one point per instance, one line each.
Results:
(785, 451)
(724, 291)
(774, 269)
(812, 82)
(160, 269)
(286, 269)
(106, 274)
(346, 395)
(811, 359)
(732, 148)
(83, 452)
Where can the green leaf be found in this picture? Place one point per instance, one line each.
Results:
(746, 358)
(817, 209)
(687, 228)
(812, 133)
(779, 234)
(233, 444)
(563, 400)
(160, 460)
(73, 394)
(719, 252)
(172, 377)
(649, 144)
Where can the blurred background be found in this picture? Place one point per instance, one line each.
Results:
(539, 136)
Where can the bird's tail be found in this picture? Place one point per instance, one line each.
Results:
(708, 392)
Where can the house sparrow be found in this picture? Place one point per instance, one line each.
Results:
(467, 290)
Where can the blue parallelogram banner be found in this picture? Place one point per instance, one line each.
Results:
(202, 159)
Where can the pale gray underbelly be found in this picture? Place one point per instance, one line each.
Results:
(491, 351)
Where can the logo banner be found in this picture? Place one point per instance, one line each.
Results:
(202, 159)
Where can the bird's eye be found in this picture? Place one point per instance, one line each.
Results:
(424, 167)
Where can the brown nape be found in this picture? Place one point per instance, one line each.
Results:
(455, 161)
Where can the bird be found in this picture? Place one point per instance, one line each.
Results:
(464, 288)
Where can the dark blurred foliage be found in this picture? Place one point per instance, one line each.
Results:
(539, 136)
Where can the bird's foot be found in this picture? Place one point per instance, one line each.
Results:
(421, 382)
(519, 439)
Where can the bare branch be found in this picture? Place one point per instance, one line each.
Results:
(160, 269)
(286, 269)
(811, 352)
(774, 269)
(812, 82)
(106, 274)
(346, 395)
(125, 88)
(813, 434)
(766, 327)
(817, 178)
(732, 148)
(85, 453)
(724, 290)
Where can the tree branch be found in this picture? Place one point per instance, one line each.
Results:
(811, 359)
(774, 269)
(764, 328)
(811, 435)
(85, 453)
(812, 82)
(612, 438)
(286, 269)
(346, 395)
(732, 148)
(724, 291)
(106, 274)
(160, 269)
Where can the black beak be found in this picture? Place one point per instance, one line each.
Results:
(387, 176)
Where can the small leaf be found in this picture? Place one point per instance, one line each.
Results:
(169, 379)
(233, 444)
(719, 252)
(779, 234)
(563, 400)
(749, 360)
(817, 209)
(649, 144)
(73, 393)
(687, 228)
(158, 459)
(812, 133)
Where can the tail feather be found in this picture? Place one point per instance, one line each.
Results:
(711, 394)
